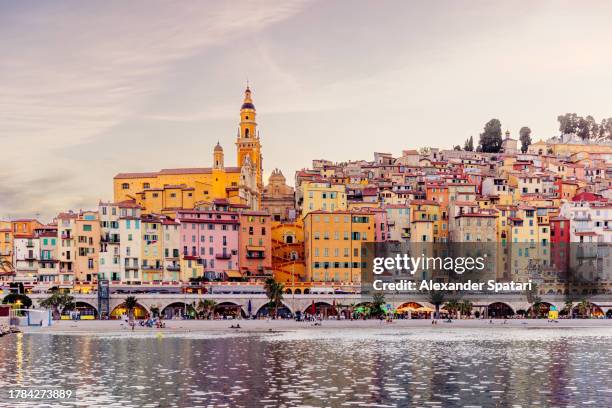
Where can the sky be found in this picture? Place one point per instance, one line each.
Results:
(91, 89)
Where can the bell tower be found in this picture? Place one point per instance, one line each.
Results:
(247, 141)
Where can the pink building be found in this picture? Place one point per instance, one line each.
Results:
(209, 239)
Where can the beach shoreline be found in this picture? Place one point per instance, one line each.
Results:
(267, 326)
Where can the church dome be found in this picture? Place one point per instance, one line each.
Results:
(218, 148)
(247, 105)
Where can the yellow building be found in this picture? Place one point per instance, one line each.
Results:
(542, 148)
(167, 190)
(321, 196)
(427, 223)
(334, 239)
(87, 241)
(152, 249)
(530, 238)
(6, 246)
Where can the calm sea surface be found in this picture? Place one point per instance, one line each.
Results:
(417, 367)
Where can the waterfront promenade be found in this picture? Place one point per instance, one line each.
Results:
(264, 325)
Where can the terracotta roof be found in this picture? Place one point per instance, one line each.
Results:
(187, 170)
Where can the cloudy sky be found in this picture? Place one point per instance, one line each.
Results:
(90, 89)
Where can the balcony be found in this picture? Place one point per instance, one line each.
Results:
(223, 256)
(66, 236)
(151, 267)
(131, 267)
(30, 244)
(173, 268)
(582, 217)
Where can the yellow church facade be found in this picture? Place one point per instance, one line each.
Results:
(168, 190)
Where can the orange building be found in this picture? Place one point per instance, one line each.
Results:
(255, 244)
(288, 253)
(24, 227)
(334, 251)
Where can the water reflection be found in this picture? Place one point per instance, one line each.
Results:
(344, 368)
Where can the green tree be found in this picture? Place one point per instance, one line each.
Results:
(533, 299)
(436, 298)
(567, 308)
(274, 292)
(465, 307)
(206, 307)
(468, 146)
(491, 137)
(378, 302)
(525, 138)
(452, 306)
(584, 307)
(457, 148)
(17, 298)
(130, 304)
(57, 302)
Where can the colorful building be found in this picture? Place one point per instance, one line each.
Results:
(168, 190)
(255, 245)
(334, 244)
(209, 244)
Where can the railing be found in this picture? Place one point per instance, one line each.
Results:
(223, 256)
(173, 268)
(151, 267)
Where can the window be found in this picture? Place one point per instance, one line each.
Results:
(146, 185)
(125, 186)
(87, 227)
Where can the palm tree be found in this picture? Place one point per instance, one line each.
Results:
(57, 301)
(274, 291)
(568, 307)
(452, 306)
(465, 307)
(130, 304)
(534, 299)
(205, 307)
(378, 300)
(436, 298)
(584, 307)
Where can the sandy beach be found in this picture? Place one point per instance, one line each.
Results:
(263, 326)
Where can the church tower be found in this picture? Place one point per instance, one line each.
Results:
(218, 157)
(247, 141)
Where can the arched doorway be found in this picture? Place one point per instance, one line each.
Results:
(499, 310)
(139, 312)
(283, 311)
(586, 310)
(226, 310)
(409, 310)
(297, 292)
(84, 311)
(288, 291)
(321, 308)
(177, 310)
(541, 310)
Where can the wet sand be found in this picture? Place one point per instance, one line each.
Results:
(265, 326)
